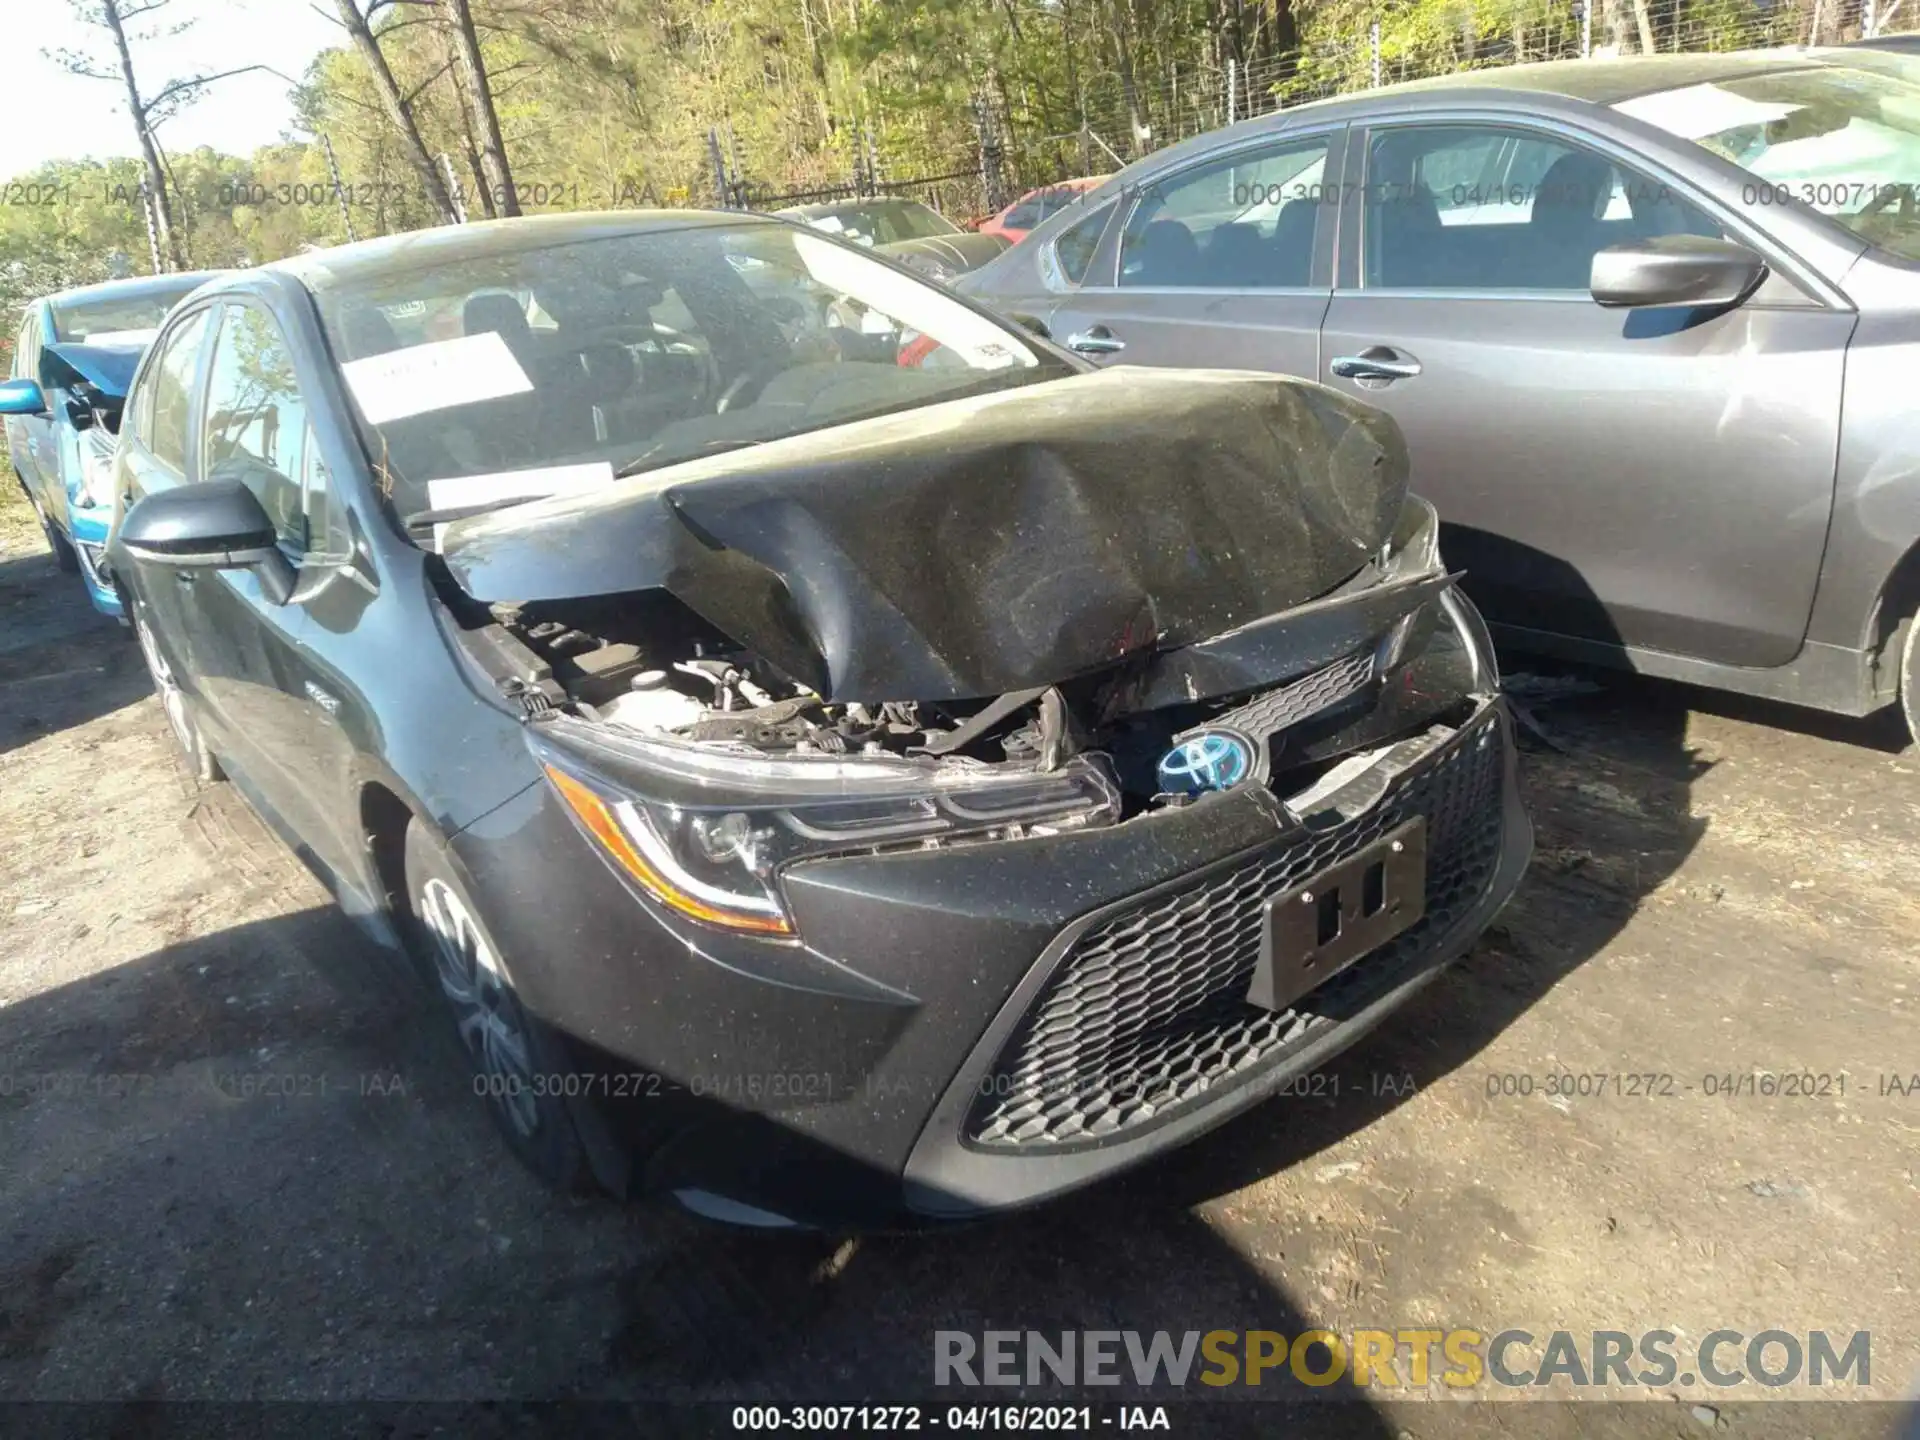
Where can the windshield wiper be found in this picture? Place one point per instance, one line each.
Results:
(450, 513)
(648, 461)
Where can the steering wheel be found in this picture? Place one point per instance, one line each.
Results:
(653, 341)
(753, 381)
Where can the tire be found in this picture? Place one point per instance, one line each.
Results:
(1910, 679)
(201, 765)
(64, 555)
(502, 1046)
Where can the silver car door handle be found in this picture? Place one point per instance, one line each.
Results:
(1097, 341)
(1376, 363)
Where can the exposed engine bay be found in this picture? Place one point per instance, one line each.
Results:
(1064, 606)
(1387, 654)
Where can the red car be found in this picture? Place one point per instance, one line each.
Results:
(1036, 205)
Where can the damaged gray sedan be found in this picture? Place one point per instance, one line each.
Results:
(826, 786)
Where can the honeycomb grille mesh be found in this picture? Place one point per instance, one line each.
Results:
(1275, 710)
(1145, 1017)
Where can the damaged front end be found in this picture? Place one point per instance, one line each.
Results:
(704, 769)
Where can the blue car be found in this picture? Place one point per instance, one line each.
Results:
(74, 359)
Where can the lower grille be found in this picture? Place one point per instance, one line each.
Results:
(1145, 1017)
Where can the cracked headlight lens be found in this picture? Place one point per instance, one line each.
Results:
(706, 831)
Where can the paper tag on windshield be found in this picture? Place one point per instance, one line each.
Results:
(536, 484)
(127, 339)
(435, 376)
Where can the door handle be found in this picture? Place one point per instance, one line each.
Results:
(1097, 341)
(1377, 362)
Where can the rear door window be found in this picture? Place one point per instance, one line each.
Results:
(1073, 251)
(1245, 222)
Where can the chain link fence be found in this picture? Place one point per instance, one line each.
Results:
(1121, 122)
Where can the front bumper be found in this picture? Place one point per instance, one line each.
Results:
(88, 528)
(980, 1027)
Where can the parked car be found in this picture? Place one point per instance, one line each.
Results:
(75, 353)
(1907, 44)
(1649, 327)
(1030, 209)
(905, 230)
(824, 789)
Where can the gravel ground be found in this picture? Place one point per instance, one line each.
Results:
(1720, 890)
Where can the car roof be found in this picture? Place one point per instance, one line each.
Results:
(134, 287)
(1566, 86)
(324, 269)
(1608, 82)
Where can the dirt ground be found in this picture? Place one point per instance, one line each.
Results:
(1720, 890)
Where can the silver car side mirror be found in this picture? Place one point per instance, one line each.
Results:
(1675, 270)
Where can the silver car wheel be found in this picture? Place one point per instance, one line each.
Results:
(485, 1012)
(172, 699)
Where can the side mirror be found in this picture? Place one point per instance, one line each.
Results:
(218, 525)
(22, 397)
(1673, 271)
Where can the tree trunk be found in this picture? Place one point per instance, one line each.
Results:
(411, 145)
(471, 69)
(1616, 23)
(1286, 29)
(149, 151)
(1120, 30)
(1644, 20)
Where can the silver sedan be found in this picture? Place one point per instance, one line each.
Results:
(1651, 326)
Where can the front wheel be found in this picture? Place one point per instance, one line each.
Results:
(173, 703)
(1910, 678)
(64, 555)
(516, 1063)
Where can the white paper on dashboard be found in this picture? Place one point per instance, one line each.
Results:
(535, 484)
(124, 338)
(434, 376)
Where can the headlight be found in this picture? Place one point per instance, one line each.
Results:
(96, 477)
(1475, 636)
(707, 832)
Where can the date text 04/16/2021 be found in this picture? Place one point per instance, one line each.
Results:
(879, 1419)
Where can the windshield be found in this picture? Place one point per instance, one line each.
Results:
(1844, 141)
(120, 319)
(545, 370)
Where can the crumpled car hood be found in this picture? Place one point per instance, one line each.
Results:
(980, 546)
(108, 368)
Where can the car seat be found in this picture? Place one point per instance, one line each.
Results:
(1166, 255)
(1564, 230)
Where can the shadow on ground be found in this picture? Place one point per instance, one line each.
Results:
(205, 1198)
(62, 663)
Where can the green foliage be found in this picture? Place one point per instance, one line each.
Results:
(610, 103)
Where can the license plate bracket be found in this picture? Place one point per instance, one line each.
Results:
(1315, 930)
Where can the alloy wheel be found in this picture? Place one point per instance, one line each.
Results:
(489, 1019)
(172, 699)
